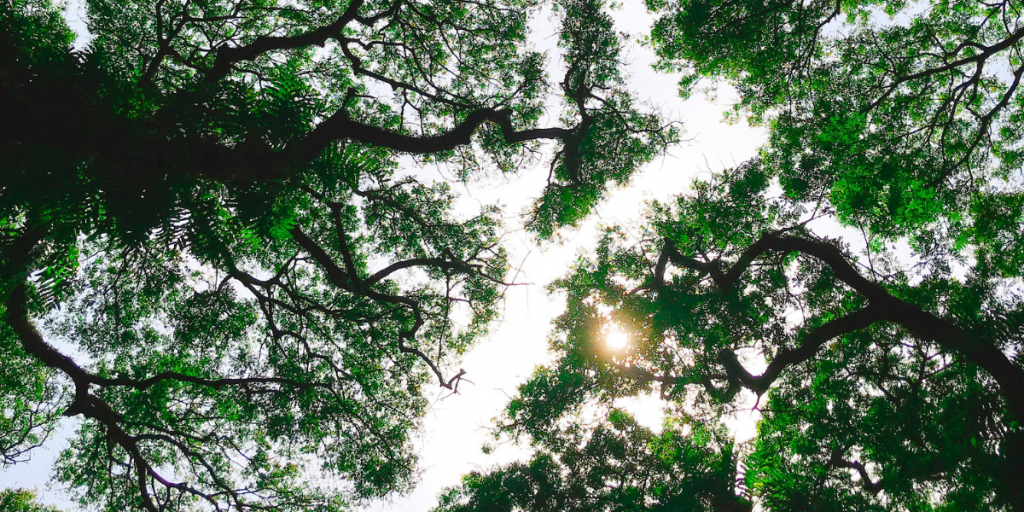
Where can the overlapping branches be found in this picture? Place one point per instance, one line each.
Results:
(882, 306)
(898, 114)
(298, 316)
(256, 143)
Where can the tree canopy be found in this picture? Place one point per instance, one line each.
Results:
(22, 500)
(887, 378)
(215, 254)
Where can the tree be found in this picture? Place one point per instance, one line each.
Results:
(892, 393)
(211, 253)
(22, 500)
(617, 465)
(904, 116)
(886, 380)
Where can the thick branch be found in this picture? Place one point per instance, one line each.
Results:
(147, 383)
(346, 254)
(420, 262)
(339, 126)
(34, 344)
(337, 276)
(227, 56)
(981, 352)
(812, 342)
(865, 479)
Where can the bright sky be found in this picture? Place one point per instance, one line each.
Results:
(456, 427)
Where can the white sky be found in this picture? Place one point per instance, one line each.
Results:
(455, 428)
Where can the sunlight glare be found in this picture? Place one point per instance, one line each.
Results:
(616, 339)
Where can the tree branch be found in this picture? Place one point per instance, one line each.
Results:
(865, 479)
(812, 342)
(982, 352)
(229, 55)
(339, 126)
(339, 278)
(420, 262)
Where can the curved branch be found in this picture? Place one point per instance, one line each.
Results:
(420, 262)
(865, 478)
(227, 56)
(339, 126)
(738, 376)
(978, 58)
(982, 352)
(340, 279)
(33, 343)
(812, 342)
(147, 383)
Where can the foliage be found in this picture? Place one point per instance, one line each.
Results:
(880, 388)
(904, 116)
(22, 500)
(887, 378)
(617, 465)
(214, 251)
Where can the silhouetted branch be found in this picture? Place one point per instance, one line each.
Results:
(882, 306)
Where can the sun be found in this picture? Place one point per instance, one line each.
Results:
(616, 339)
